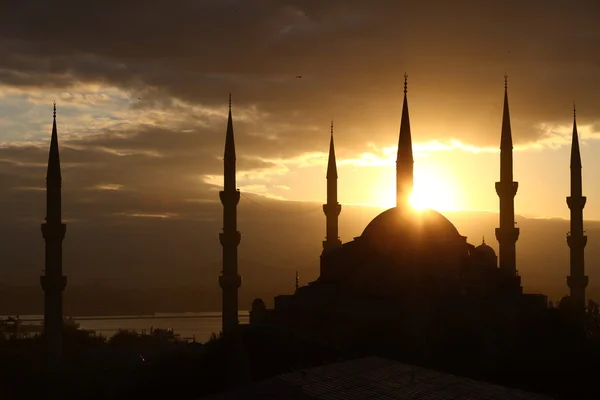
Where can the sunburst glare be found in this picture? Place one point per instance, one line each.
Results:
(431, 190)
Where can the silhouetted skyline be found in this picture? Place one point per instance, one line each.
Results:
(433, 237)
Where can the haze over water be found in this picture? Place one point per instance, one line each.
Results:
(186, 325)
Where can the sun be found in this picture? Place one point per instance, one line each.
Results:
(418, 201)
(432, 190)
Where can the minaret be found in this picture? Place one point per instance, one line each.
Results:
(405, 161)
(577, 280)
(507, 234)
(53, 281)
(332, 209)
(230, 281)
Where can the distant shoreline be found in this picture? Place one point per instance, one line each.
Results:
(184, 315)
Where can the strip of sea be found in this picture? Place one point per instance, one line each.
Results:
(186, 325)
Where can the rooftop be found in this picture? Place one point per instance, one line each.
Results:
(374, 378)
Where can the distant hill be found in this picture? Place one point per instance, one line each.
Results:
(278, 238)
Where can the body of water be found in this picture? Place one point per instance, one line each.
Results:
(187, 325)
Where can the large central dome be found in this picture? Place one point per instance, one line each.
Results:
(404, 222)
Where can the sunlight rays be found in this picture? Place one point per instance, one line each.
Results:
(432, 190)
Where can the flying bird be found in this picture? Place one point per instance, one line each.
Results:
(298, 76)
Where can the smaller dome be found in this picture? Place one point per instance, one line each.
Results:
(485, 250)
(258, 304)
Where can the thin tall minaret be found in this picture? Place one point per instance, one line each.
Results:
(577, 280)
(507, 234)
(230, 281)
(332, 209)
(53, 281)
(404, 161)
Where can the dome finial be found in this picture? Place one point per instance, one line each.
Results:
(405, 82)
(483, 240)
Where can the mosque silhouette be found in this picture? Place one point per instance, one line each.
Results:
(410, 272)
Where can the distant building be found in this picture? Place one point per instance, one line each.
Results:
(373, 378)
(407, 267)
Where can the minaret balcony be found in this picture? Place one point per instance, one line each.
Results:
(577, 241)
(53, 284)
(229, 197)
(576, 202)
(331, 244)
(577, 281)
(507, 235)
(332, 209)
(230, 281)
(230, 238)
(54, 231)
(506, 189)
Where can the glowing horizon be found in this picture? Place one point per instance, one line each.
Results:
(452, 173)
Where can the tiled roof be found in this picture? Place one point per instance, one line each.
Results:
(374, 378)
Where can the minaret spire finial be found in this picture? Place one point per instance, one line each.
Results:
(405, 83)
(574, 111)
(54, 112)
(230, 101)
(505, 81)
(331, 162)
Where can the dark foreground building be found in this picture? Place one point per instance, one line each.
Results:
(373, 378)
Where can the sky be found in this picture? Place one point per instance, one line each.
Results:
(142, 90)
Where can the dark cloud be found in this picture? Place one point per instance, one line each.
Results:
(350, 54)
(149, 170)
